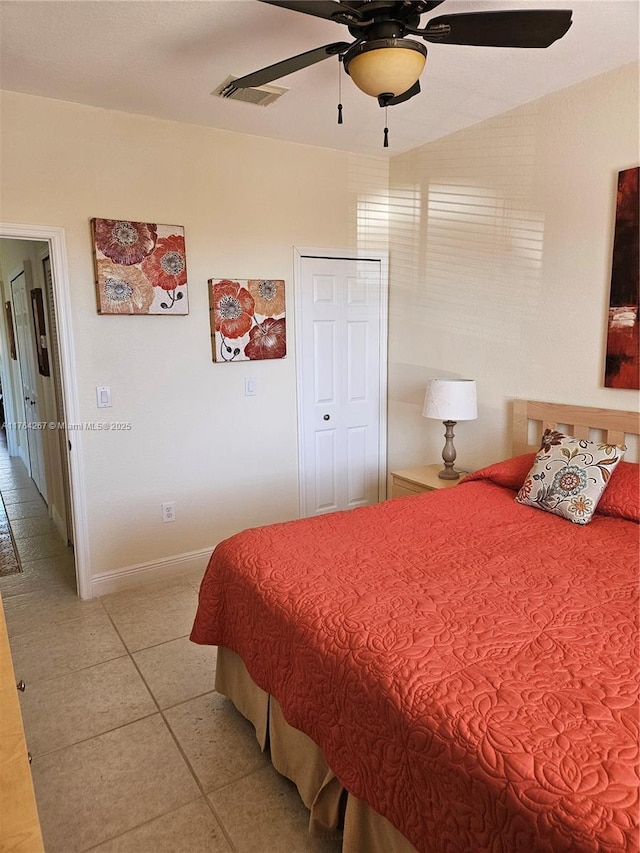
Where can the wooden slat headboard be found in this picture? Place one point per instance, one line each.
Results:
(579, 420)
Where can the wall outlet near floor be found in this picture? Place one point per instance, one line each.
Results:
(169, 511)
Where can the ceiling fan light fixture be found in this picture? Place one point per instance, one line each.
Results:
(385, 66)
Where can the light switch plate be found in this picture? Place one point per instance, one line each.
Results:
(103, 396)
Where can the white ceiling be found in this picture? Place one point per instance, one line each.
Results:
(163, 58)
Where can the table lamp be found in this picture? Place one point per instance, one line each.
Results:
(450, 401)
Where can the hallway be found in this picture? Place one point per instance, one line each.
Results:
(43, 555)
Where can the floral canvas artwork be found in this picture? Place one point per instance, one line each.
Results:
(141, 267)
(247, 319)
(622, 369)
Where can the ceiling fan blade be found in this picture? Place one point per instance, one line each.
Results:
(287, 66)
(518, 28)
(329, 9)
(399, 99)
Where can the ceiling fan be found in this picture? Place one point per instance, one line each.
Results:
(385, 64)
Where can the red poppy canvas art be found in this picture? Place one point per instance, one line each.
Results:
(622, 368)
(247, 319)
(141, 267)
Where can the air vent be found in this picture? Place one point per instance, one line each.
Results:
(261, 96)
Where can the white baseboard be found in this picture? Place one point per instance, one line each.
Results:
(60, 524)
(146, 573)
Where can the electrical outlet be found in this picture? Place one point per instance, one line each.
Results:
(169, 511)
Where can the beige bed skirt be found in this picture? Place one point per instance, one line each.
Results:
(333, 811)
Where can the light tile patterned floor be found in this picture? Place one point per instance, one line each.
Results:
(9, 562)
(133, 751)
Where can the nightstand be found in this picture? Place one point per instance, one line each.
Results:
(413, 481)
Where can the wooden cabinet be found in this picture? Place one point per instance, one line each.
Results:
(19, 827)
(413, 481)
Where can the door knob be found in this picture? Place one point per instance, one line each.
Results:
(326, 417)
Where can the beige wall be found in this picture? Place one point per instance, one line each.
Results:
(501, 240)
(229, 461)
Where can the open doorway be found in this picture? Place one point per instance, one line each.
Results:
(34, 486)
(61, 355)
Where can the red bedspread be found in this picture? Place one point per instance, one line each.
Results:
(468, 665)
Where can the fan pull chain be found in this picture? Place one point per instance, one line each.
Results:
(339, 90)
(386, 129)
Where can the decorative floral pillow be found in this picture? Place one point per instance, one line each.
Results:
(569, 475)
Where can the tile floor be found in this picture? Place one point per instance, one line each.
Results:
(133, 751)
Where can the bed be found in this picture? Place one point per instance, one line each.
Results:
(451, 671)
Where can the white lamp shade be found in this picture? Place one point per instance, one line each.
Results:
(450, 400)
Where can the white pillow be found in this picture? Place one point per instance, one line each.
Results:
(569, 476)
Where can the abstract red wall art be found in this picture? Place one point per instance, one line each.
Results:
(622, 369)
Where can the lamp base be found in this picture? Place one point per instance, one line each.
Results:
(448, 474)
(449, 454)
